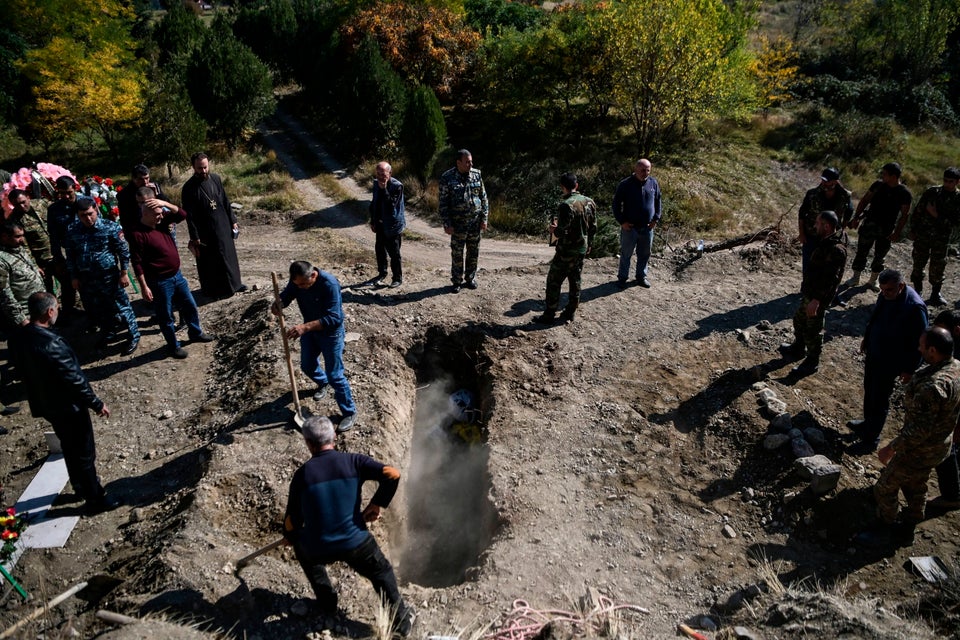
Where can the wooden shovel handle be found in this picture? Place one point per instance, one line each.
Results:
(245, 560)
(39, 612)
(286, 345)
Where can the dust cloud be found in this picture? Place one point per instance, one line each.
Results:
(450, 519)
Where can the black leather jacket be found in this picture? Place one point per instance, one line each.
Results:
(50, 369)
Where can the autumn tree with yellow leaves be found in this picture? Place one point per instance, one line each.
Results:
(81, 69)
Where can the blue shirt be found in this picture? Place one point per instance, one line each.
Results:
(97, 249)
(324, 507)
(637, 202)
(320, 302)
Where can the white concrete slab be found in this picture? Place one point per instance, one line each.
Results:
(37, 498)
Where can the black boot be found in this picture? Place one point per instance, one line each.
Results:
(548, 317)
(569, 311)
(809, 366)
(918, 286)
(792, 350)
(936, 298)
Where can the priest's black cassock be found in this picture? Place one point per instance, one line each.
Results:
(210, 221)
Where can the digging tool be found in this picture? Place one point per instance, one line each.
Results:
(245, 560)
(91, 591)
(298, 416)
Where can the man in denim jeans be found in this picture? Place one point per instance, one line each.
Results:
(636, 206)
(324, 522)
(321, 335)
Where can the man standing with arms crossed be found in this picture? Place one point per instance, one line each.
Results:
(636, 206)
(464, 210)
(574, 227)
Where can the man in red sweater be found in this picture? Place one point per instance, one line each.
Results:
(156, 263)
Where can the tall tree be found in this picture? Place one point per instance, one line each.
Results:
(81, 74)
(228, 85)
(261, 25)
(673, 61)
(428, 45)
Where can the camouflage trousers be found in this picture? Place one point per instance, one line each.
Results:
(899, 476)
(564, 267)
(105, 300)
(809, 331)
(934, 249)
(464, 242)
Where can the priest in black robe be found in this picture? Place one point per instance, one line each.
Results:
(213, 229)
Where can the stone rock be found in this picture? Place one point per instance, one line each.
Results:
(758, 386)
(775, 406)
(729, 532)
(351, 336)
(766, 393)
(795, 433)
(814, 436)
(820, 470)
(801, 448)
(166, 415)
(743, 336)
(775, 441)
(764, 325)
(782, 422)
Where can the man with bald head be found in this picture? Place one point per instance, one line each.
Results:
(636, 206)
(931, 403)
(387, 221)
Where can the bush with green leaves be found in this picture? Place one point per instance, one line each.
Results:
(373, 99)
(424, 131)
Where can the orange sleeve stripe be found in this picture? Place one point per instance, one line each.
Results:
(390, 473)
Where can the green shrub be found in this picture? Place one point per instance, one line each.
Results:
(373, 98)
(424, 132)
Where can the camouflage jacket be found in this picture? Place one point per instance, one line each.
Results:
(97, 249)
(463, 200)
(931, 403)
(576, 224)
(19, 278)
(35, 230)
(816, 200)
(825, 269)
(947, 204)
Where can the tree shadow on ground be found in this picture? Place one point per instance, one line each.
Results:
(773, 311)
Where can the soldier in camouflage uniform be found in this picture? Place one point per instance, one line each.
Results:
(19, 275)
(33, 219)
(828, 196)
(931, 402)
(937, 211)
(97, 259)
(819, 286)
(463, 210)
(574, 227)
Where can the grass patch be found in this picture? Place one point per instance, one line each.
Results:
(331, 186)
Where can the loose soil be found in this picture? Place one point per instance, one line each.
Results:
(615, 451)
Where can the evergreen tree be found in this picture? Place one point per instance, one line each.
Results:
(424, 130)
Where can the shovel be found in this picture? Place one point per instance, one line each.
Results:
(91, 591)
(298, 416)
(245, 560)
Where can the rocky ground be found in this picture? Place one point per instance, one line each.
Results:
(622, 460)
